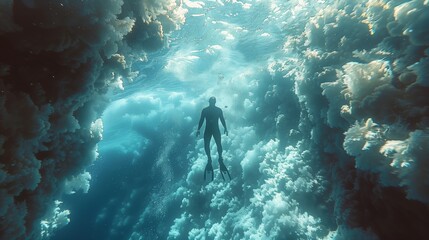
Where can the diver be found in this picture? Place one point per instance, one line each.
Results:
(212, 114)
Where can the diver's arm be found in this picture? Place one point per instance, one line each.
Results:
(222, 120)
(200, 123)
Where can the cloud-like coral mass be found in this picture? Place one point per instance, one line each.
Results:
(58, 60)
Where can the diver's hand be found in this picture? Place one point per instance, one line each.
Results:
(198, 133)
(226, 132)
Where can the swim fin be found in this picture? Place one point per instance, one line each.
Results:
(223, 169)
(209, 169)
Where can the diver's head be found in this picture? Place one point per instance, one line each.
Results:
(212, 101)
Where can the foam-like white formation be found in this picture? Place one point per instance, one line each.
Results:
(76, 183)
(399, 161)
(356, 85)
(264, 205)
(54, 220)
(411, 18)
(364, 92)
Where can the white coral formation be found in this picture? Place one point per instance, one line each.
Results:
(268, 207)
(76, 183)
(54, 220)
(399, 159)
(371, 100)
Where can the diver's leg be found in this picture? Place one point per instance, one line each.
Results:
(217, 138)
(207, 137)
(209, 167)
(222, 166)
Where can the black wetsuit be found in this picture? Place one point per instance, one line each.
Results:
(212, 114)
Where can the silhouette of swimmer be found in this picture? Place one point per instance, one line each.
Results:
(212, 115)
